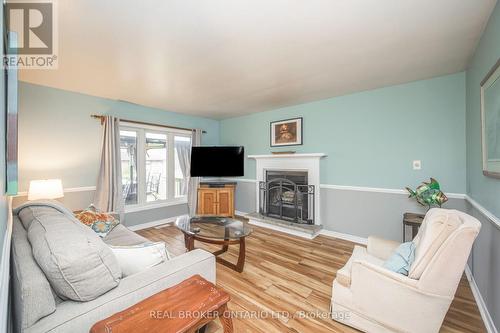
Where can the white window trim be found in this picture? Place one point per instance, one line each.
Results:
(171, 200)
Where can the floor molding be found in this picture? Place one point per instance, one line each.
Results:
(483, 309)
(152, 223)
(348, 237)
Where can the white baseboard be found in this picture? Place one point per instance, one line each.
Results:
(348, 237)
(483, 309)
(282, 229)
(152, 223)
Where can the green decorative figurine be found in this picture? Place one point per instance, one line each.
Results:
(428, 194)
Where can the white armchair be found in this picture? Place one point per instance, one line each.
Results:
(371, 298)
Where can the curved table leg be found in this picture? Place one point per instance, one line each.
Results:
(189, 242)
(226, 238)
(241, 256)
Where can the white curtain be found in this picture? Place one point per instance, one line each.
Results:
(108, 196)
(183, 149)
(193, 181)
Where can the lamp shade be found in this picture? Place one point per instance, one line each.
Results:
(45, 189)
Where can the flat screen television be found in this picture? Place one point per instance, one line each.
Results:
(217, 161)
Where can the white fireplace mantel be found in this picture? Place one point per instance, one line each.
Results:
(293, 162)
(314, 155)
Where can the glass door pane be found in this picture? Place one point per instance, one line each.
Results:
(156, 166)
(128, 152)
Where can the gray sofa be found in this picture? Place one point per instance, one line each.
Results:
(37, 308)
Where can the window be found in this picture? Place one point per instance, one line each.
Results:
(155, 163)
(128, 151)
(156, 166)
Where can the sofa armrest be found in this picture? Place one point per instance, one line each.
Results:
(382, 272)
(381, 248)
(78, 317)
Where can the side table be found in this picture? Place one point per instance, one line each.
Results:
(414, 221)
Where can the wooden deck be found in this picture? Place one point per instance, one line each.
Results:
(286, 277)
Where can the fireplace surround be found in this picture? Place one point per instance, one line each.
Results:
(307, 163)
(286, 195)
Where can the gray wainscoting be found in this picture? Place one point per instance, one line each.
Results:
(484, 263)
(354, 212)
(155, 214)
(366, 213)
(245, 196)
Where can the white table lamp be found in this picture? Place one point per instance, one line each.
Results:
(45, 189)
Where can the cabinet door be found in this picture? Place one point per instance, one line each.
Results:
(225, 202)
(207, 202)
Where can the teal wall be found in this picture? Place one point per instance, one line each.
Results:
(483, 189)
(372, 137)
(59, 139)
(485, 263)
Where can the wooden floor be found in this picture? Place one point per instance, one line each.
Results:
(286, 276)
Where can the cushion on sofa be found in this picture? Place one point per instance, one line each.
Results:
(77, 263)
(101, 223)
(137, 258)
(32, 296)
(123, 236)
(27, 217)
(401, 259)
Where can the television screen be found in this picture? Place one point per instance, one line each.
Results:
(217, 161)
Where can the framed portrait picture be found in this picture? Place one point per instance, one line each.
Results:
(490, 121)
(286, 132)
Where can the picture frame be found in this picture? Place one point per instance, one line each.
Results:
(490, 122)
(286, 132)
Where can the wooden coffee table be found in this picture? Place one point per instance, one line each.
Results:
(185, 307)
(223, 231)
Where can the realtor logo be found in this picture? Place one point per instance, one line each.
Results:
(32, 37)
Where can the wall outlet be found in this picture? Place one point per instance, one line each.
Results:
(417, 165)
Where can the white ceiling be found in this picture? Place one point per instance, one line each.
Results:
(222, 58)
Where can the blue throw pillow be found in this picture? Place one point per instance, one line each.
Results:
(400, 261)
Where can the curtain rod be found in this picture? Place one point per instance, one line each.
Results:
(144, 123)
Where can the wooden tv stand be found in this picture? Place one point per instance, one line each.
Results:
(216, 199)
